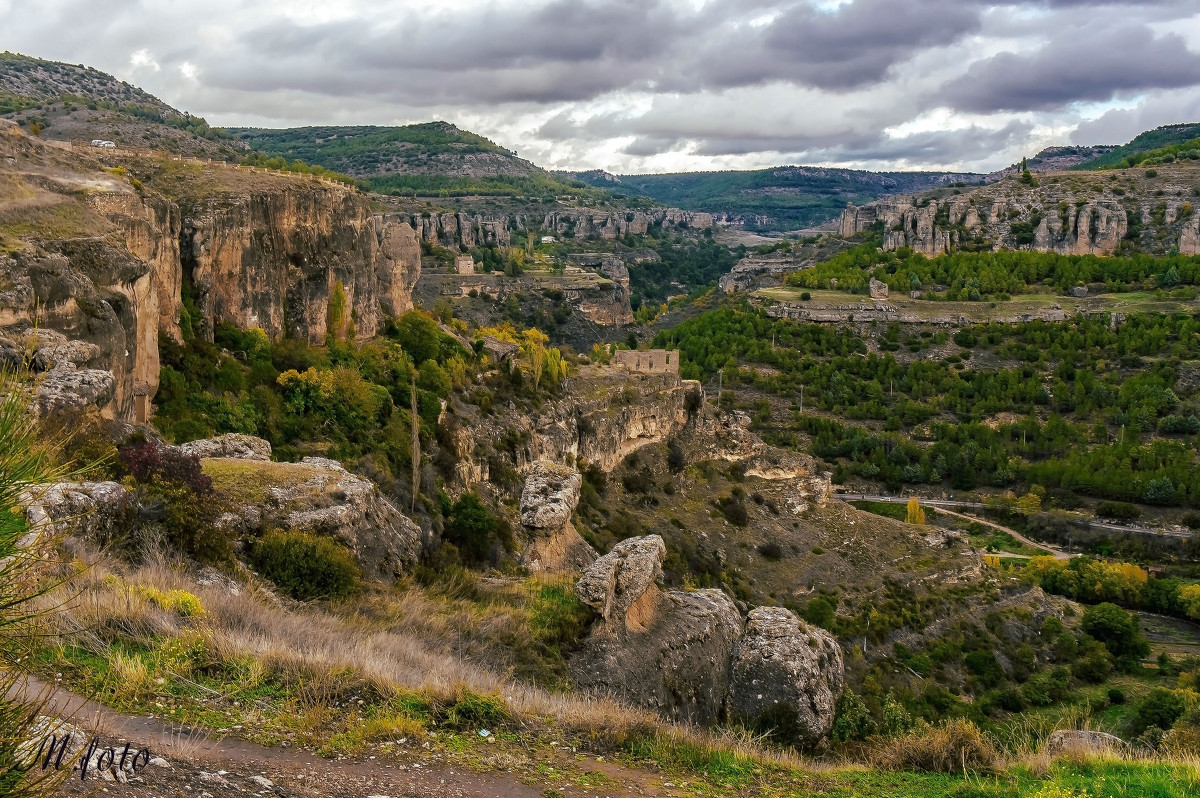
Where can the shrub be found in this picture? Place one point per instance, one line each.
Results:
(471, 527)
(151, 461)
(734, 511)
(1160, 708)
(805, 296)
(306, 566)
(1118, 511)
(771, 551)
(954, 747)
(1191, 520)
(852, 719)
(1119, 632)
(1116, 696)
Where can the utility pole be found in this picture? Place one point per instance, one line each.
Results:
(720, 385)
(801, 397)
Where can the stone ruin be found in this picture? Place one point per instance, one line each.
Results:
(464, 264)
(648, 361)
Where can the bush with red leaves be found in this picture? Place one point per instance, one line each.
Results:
(151, 460)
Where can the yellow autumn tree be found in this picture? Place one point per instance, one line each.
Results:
(533, 346)
(915, 514)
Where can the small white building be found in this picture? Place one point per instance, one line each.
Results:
(548, 239)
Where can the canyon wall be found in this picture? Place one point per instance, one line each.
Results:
(104, 260)
(1070, 213)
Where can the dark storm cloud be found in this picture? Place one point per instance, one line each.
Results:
(855, 45)
(559, 52)
(1090, 62)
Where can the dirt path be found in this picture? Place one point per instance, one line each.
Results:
(201, 766)
(1058, 553)
(939, 506)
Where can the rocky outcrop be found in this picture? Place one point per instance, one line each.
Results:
(336, 503)
(675, 661)
(616, 581)
(548, 499)
(549, 496)
(609, 414)
(685, 655)
(877, 289)
(95, 509)
(786, 675)
(234, 446)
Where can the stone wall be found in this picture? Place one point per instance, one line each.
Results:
(648, 361)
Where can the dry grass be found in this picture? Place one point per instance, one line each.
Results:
(957, 746)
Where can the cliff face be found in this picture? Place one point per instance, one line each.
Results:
(452, 230)
(608, 414)
(1074, 213)
(271, 259)
(102, 259)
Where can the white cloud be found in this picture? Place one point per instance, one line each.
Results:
(662, 85)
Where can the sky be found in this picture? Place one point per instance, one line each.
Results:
(634, 86)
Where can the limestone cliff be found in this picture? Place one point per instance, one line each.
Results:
(90, 251)
(607, 415)
(271, 257)
(1075, 213)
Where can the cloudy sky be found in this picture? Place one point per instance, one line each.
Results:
(660, 85)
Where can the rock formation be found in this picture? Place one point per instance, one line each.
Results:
(234, 446)
(350, 509)
(548, 499)
(616, 581)
(260, 251)
(684, 654)
(878, 289)
(786, 674)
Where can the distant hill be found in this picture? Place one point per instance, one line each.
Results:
(427, 158)
(74, 102)
(1158, 138)
(1056, 159)
(781, 198)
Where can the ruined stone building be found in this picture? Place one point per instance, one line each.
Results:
(648, 361)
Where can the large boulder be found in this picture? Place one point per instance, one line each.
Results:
(550, 495)
(616, 581)
(786, 675)
(353, 511)
(234, 445)
(675, 660)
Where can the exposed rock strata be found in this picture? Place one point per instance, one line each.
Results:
(234, 446)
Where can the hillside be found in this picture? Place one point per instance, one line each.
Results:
(428, 158)
(777, 199)
(68, 102)
(1149, 140)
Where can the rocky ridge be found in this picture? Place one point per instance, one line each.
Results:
(104, 261)
(1071, 213)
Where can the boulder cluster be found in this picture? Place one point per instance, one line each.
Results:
(692, 657)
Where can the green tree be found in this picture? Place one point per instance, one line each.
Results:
(471, 528)
(1118, 630)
